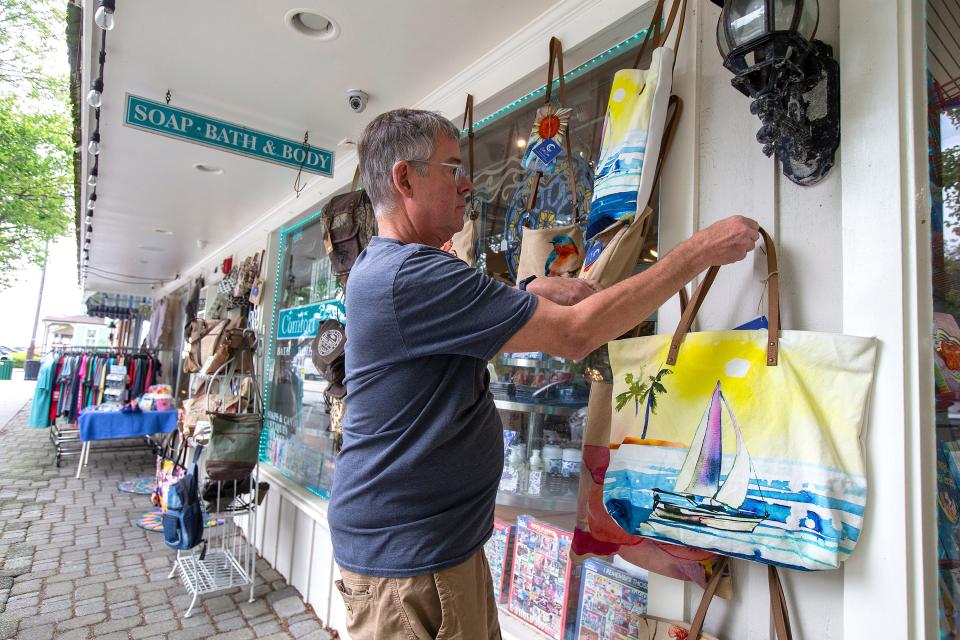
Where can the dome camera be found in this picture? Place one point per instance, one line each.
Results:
(357, 100)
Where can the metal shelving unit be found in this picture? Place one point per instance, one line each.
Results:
(228, 558)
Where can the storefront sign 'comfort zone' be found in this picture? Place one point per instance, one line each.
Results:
(160, 118)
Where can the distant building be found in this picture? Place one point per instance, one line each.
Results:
(75, 331)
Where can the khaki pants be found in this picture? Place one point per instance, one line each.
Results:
(452, 604)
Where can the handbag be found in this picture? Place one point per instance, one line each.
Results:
(234, 445)
(463, 244)
(612, 254)
(203, 337)
(553, 251)
(633, 129)
(348, 224)
(742, 442)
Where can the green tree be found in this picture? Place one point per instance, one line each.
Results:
(36, 149)
(643, 391)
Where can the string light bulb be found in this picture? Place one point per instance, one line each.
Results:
(92, 178)
(92, 202)
(95, 96)
(94, 146)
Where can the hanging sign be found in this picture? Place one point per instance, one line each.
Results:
(302, 322)
(157, 117)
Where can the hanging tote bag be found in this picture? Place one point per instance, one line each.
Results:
(596, 533)
(234, 445)
(463, 244)
(612, 254)
(742, 442)
(633, 129)
(554, 251)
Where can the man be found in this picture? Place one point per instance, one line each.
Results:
(415, 484)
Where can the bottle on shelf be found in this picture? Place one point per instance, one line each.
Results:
(514, 475)
(535, 475)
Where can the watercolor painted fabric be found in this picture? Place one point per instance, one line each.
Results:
(724, 453)
(597, 534)
(632, 134)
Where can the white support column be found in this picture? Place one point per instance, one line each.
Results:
(890, 581)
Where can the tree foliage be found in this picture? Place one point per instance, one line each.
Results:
(36, 155)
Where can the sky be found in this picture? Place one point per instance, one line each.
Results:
(61, 295)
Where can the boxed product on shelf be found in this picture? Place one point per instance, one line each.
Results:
(611, 601)
(499, 550)
(540, 584)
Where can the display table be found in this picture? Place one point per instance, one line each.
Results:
(111, 425)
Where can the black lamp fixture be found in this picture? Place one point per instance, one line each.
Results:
(104, 14)
(794, 81)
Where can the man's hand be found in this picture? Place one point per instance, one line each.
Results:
(726, 241)
(563, 291)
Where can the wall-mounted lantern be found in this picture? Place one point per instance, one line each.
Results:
(795, 82)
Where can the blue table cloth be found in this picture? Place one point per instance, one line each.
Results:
(106, 425)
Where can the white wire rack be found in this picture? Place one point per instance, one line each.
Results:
(230, 558)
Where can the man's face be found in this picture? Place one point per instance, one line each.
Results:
(438, 202)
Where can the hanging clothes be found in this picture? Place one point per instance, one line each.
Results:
(40, 410)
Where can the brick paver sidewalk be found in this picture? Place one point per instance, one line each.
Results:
(74, 565)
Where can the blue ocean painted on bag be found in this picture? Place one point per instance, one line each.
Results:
(724, 453)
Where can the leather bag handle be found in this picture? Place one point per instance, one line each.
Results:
(356, 178)
(696, 627)
(660, 30)
(468, 125)
(778, 605)
(556, 56)
(773, 306)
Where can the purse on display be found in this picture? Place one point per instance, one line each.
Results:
(183, 519)
(348, 225)
(463, 244)
(552, 251)
(745, 442)
(328, 354)
(234, 443)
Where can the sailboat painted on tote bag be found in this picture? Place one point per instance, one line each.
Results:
(725, 454)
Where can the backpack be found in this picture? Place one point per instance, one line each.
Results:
(183, 519)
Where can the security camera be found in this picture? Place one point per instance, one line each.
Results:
(357, 100)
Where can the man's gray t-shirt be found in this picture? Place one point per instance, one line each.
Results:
(416, 482)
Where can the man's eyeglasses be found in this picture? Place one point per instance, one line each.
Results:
(459, 171)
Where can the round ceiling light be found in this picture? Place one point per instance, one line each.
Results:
(312, 24)
(208, 168)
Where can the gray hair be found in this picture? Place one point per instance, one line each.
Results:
(401, 134)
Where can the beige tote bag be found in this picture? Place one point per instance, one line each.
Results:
(556, 251)
(463, 244)
(612, 254)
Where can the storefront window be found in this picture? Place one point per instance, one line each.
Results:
(298, 441)
(943, 65)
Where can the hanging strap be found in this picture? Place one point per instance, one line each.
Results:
(468, 125)
(660, 30)
(778, 605)
(773, 306)
(696, 628)
(356, 178)
(556, 56)
(674, 111)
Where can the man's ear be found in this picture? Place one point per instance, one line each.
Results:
(401, 179)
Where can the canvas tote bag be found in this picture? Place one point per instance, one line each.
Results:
(463, 244)
(555, 251)
(752, 446)
(613, 253)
